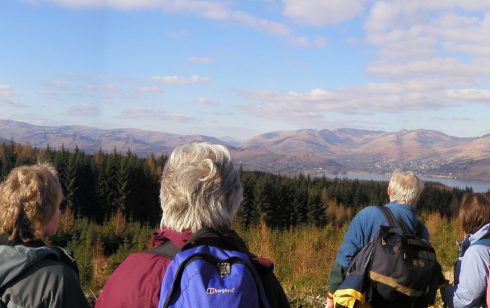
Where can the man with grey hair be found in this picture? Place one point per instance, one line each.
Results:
(403, 191)
(200, 190)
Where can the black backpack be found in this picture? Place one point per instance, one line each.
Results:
(403, 269)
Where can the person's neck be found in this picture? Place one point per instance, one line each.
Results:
(398, 201)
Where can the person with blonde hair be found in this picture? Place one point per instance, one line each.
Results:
(200, 190)
(32, 273)
(403, 191)
(471, 271)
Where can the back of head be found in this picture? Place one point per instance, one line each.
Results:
(474, 212)
(28, 198)
(200, 188)
(405, 187)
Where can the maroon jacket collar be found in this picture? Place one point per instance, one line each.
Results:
(164, 234)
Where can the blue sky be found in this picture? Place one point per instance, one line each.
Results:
(241, 68)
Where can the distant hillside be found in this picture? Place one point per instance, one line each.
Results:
(90, 139)
(428, 152)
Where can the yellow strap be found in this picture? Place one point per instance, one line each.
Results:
(395, 285)
(348, 297)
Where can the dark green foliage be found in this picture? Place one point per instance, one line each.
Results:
(248, 213)
(97, 186)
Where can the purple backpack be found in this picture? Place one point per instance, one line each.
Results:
(206, 273)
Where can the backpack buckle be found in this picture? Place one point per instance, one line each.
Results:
(224, 269)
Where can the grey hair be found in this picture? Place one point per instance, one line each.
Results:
(405, 186)
(200, 188)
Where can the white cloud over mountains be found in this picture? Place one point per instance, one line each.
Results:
(427, 54)
(6, 90)
(321, 12)
(84, 110)
(373, 98)
(141, 112)
(7, 94)
(477, 95)
(199, 60)
(180, 81)
(206, 101)
(223, 11)
(415, 38)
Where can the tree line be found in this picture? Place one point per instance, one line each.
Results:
(98, 185)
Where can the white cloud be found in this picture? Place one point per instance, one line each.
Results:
(321, 12)
(140, 112)
(49, 94)
(180, 81)
(417, 39)
(57, 84)
(302, 41)
(206, 101)
(8, 102)
(450, 69)
(84, 110)
(452, 119)
(199, 60)
(208, 9)
(310, 12)
(414, 95)
(470, 95)
(110, 87)
(261, 24)
(149, 90)
(6, 96)
(6, 90)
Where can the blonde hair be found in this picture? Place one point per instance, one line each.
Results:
(200, 188)
(28, 198)
(405, 187)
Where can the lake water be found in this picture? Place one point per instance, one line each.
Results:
(478, 186)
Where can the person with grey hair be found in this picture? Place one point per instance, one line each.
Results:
(200, 190)
(403, 191)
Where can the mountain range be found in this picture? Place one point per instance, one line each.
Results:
(427, 152)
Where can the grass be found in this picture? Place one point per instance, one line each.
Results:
(302, 256)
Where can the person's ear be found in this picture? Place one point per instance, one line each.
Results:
(390, 193)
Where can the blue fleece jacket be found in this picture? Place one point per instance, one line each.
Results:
(470, 273)
(366, 224)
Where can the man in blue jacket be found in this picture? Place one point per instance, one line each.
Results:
(403, 191)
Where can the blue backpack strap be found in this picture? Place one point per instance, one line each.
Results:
(483, 242)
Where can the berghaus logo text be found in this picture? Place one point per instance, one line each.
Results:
(218, 291)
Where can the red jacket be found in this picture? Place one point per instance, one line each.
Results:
(137, 281)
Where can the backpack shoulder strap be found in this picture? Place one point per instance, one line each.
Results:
(2, 304)
(223, 240)
(167, 250)
(483, 242)
(391, 219)
(388, 215)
